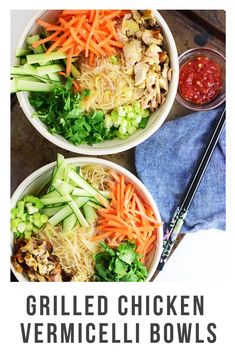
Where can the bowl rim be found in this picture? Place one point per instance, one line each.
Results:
(92, 160)
(131, 141)
(191, 105)
(203, 49)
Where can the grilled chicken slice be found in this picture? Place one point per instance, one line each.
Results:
(148, 37)
(132, 52)
(129, 27)
(140, 70)
(35, 260)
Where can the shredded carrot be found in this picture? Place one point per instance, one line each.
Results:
(111, 27)
(76, 86)
(66, 17)
(76, 52)
(114, 175)
(92, 14)
(93, 45)
(118, 199)
(69, 61)
(55, 28)
(103, 200)
(110, 16)
(45, 40)
(80, 22)
(104, 41)
(149, 242)
(94, 25)
(91, 59)
(88, 32)
(151, 219)
(150, 248)
(128, 195)
(57, 43)
(116, 44)
(76, 38)
(133, 205)
(127, 217)
(122, 191)
(113, 229)
(109, 50)
(100, 236)
(66, 47)
(109, 210)
(63, 22)
(71, 22)
(62, 73)
(75, 12)
(43, 23)
(116, 224)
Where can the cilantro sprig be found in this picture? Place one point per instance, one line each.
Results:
(61, 111)
(119, 265)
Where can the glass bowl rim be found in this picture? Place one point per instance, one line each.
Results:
(190, 105)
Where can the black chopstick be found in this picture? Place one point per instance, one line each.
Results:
(180, 214)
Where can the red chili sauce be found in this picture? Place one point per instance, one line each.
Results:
(200, 80)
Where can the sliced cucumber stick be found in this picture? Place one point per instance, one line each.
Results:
(25, 69)
(89, 213)
(60, 216)
(69, 222)
(56, 200)
(31, 86)
(22, 52)
(66, 211)
(82, 183)
(51, 211)
(42, 58)
(48, 69)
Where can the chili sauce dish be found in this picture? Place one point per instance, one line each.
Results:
(201, 79)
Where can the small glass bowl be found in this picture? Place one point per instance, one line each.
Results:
(220, 60)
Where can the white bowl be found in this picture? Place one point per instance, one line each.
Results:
(37, 180)
(116, 145)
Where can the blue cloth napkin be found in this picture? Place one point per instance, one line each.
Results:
(166, 161)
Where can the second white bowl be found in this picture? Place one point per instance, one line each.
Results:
(34, 183)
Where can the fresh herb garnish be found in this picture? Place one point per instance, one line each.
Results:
(119, 265)
(61, 111)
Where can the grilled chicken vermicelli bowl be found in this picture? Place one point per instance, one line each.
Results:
(96, 81)
(84, 220)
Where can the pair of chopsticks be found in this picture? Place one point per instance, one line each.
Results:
(180, 214)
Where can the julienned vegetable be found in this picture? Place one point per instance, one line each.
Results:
(119, 265)
(127, 218)
(57, 232)
(42, 58)
(91, 32)
(19, 84)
